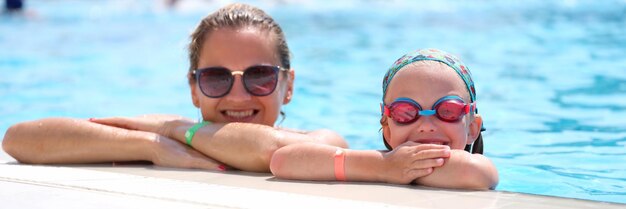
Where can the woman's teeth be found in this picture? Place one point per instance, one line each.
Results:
(239, 114)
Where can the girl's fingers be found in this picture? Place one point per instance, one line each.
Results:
(422, 147)
(432, 153)
(427, 163)
(417, 173)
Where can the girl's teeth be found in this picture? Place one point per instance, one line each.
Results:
(239, 114)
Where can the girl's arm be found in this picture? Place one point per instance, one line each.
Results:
(463, 171)
(309, 161)
(66, 140)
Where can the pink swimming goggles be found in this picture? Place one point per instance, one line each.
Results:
(449, 109)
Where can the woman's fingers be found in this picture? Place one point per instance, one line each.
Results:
(202, 162)
(207, 164)
(176, 154)
(120, 122)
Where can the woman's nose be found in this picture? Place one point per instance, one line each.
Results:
(238, 92)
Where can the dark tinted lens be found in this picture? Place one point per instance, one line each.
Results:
(215, 82)
(403, 112)
(450, 111)
(261, 80)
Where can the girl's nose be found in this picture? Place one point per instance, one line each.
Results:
(425, 124)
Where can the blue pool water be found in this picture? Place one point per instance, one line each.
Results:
(550, 76)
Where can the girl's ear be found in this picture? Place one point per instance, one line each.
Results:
(474, 128)
(289, 93)
(386, 131)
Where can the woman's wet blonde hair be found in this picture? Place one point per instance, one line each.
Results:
(236, 16)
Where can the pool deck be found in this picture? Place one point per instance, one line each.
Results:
(146, 186)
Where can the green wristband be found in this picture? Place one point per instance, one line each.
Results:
(192, 131)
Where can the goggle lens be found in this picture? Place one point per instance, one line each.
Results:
(450, 110)
(404, 112)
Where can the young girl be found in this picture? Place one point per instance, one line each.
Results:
(428, 118)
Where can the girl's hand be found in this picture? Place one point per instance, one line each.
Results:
(412, 160)
(167, 152)
(159, 124)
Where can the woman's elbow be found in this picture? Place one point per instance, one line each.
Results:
(8, 144)
(12, 145)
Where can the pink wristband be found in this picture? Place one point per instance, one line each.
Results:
(340, 157)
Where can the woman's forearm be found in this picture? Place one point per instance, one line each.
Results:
(66, 140)
(243, 146)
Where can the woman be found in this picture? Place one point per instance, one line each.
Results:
(239, 76)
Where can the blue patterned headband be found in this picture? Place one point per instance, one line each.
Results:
(433, 55)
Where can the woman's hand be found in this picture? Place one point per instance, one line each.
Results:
(167, 152)
(159, 124)
(411, 160)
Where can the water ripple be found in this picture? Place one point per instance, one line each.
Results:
(593, 143)
(576, 174)
(562, 124)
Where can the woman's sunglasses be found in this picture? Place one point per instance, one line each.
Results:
(258, 80)
(406, 111)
